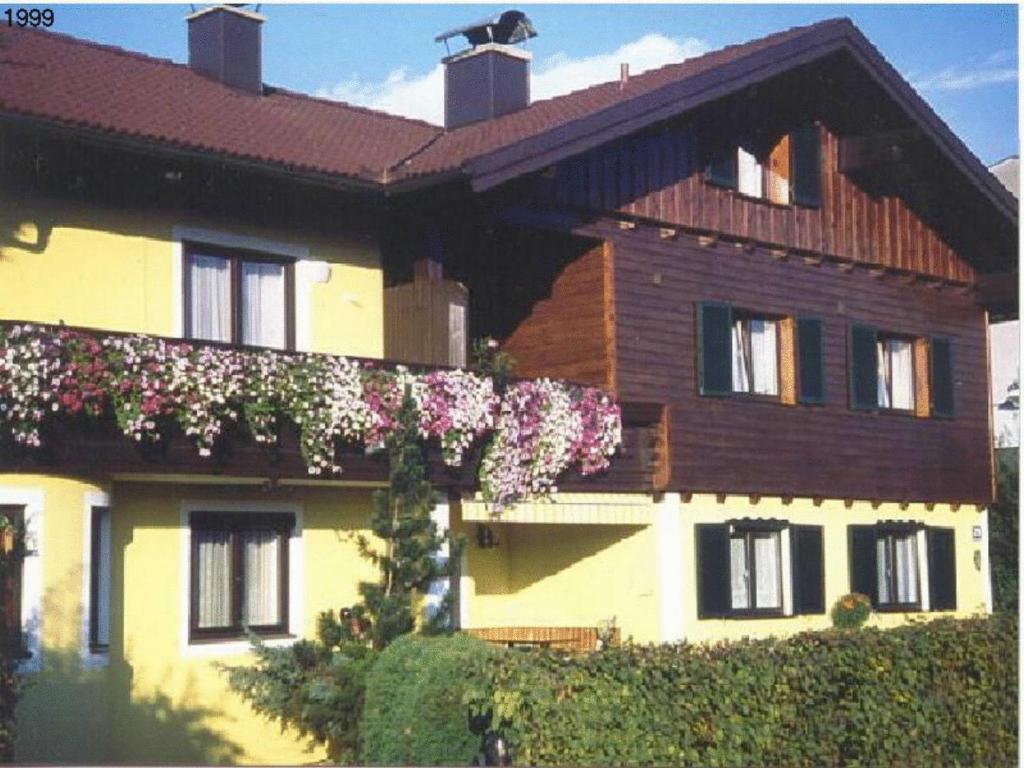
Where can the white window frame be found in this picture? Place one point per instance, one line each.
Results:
(93, 659)
(296, 573)
(33, 501)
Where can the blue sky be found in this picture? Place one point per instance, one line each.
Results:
(962, 58)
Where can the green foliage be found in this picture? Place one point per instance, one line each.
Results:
(925, 694)
(402, 521)
(315, 687)
(851, 611)
(1004, 522)
(415, 711)
(491, 360)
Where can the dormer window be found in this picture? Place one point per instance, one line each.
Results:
(788, 172)
(238, 297)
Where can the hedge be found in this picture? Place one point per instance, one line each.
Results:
(937, 693)
(414, 711)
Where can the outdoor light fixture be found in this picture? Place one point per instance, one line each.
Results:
(485, 537)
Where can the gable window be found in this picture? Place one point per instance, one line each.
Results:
(239, 574)
(759, 567)
(789, 172)
(12, 532)
(239, 297)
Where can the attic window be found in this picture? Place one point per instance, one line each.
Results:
(789, 172)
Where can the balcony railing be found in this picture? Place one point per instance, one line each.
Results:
(92, 402)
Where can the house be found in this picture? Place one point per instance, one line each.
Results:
(776, 255)
(1006, 344)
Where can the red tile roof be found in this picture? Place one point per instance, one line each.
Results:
(86, 85)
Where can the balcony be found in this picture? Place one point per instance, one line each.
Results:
(86, 402)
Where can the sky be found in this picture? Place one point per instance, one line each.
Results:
(961, 58)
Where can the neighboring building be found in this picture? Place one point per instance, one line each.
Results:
(776, 254)
(1005, 345)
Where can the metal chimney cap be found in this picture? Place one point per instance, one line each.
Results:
(236, 9)
(507, 28)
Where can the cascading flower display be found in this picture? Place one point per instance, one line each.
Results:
(536, 429)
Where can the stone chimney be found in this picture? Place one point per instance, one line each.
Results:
(224, 44)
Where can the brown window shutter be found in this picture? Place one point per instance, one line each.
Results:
(787, 361)
(922, 379)
(779, 172)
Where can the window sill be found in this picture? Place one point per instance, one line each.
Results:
(234, 645)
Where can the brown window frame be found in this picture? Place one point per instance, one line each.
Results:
(235, 258)
(234, 523)
(12, 633)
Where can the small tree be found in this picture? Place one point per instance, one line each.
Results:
(1004, 522)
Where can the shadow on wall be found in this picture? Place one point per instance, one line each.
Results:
(71, 713)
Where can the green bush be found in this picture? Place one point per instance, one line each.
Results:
(415, 713)
(851, 611)
(925, 694)
(1004, 519)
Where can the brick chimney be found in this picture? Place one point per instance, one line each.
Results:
(492, 77)
(224, 44)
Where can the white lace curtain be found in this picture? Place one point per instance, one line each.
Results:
(214, 599)
(210, 298)
(738, 572)
(263, 304)
(261, 557)
(896, 374)
(755, 363)
(261, 605)
(766, 560)
(897, 565)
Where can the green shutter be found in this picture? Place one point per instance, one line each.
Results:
(863, 564)
(805, 165)
(713, 592)
(721, 168)
(863, 362)
(810, 360)
(807, 554)
(942, 377)
(714, 348)
(942, 569)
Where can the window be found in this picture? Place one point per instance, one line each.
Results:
(239, 574)
(755, 571)
(755, 355)
(759, 567)
(738, 351)
(894, 372)
(897, 569)
(99, 580)
(238, 297)
(787, 172)
(12, 533)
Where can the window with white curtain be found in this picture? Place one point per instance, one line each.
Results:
(895, 373)
(897, 568)
(238, 297)
(755, 570)
(755, 355)
(239, 574)
(749, 174)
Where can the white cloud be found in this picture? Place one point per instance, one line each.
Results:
(999, 67)
(422, 95)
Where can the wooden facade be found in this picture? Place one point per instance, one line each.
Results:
(658, 176)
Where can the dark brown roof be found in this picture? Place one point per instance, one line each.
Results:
(86, 85)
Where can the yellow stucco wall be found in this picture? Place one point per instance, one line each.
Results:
(115, 269)
(834, 516)
(581, 575)
(157, 700)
